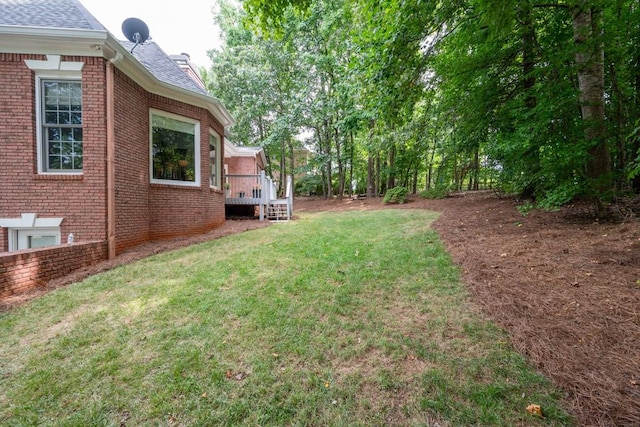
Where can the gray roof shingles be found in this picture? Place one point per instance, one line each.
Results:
(70, 14)
(162, 66)
(48, 13)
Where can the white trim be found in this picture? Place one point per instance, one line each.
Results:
(53, 63)
(30, 220)
(51, 74)
(218, 159)
(196, 154)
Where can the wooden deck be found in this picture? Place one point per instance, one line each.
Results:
(259, 191)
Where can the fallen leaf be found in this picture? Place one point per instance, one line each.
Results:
(534, 409)
(229, 373)
(204, 394)
(503, 255)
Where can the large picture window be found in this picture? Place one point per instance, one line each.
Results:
(175, 148)
(61, 121)
(214, 159)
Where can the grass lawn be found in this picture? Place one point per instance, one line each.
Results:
(336, 319)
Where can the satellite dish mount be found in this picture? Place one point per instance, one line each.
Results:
(136, 31)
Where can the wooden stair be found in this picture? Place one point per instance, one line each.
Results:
(278, 211)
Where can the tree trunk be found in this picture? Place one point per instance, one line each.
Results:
(283, 166)
(292, 166)
(370, 177)
(378, 176)
(587, 31)
(371, 183)
(351, 189)
(340, 165)
(327, 153)
(391, 177)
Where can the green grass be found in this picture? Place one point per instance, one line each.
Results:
(339, 319)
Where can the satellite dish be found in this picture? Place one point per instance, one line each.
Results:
(135, 30)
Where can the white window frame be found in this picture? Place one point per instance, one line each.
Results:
(30, 225)
(19, 235)
(51, 69)
(197, 155)
(218, 160)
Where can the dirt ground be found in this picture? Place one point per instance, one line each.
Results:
(563, 284)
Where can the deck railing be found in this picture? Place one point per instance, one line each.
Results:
(258, 190)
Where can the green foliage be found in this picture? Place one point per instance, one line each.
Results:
(525, 208)
(309, 185)
(395, 195)
(434, 193)
(463, 95)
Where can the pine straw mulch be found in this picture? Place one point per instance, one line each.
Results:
(565, 286)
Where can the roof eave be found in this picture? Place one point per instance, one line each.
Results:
(45, 40)
(98, 43)
(141, 75)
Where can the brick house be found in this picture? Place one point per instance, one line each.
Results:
(101, 139)
(243, 159)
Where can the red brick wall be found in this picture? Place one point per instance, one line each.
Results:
(147, 211)
(143, 211)
(22, 271)
(79, 199)
(242, 166)
(131, 163)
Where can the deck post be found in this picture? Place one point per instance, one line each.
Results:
(263, 188)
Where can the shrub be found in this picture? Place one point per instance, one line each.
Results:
(439, 192)
(395, 195)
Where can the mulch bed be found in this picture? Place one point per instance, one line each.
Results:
(565, 286)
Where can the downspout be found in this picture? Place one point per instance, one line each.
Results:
(111, 149)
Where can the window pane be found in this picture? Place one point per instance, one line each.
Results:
(54, 134)
(62, 107)
(213, 160)
(51, 117)
(66, 162)
(77, 162)
(54, 162)
(41, 241)
(173, 149)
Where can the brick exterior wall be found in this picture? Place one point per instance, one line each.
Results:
(242, 165)
(144, 211)
(23, 271)
(147, 211)
(79, 199)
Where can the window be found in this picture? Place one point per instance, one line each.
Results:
(214, 159)
(29, 232)
(34, 238)
(175, 149)
(61, 125)
(58, 114)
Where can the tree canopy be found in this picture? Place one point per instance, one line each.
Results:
(531, 97)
